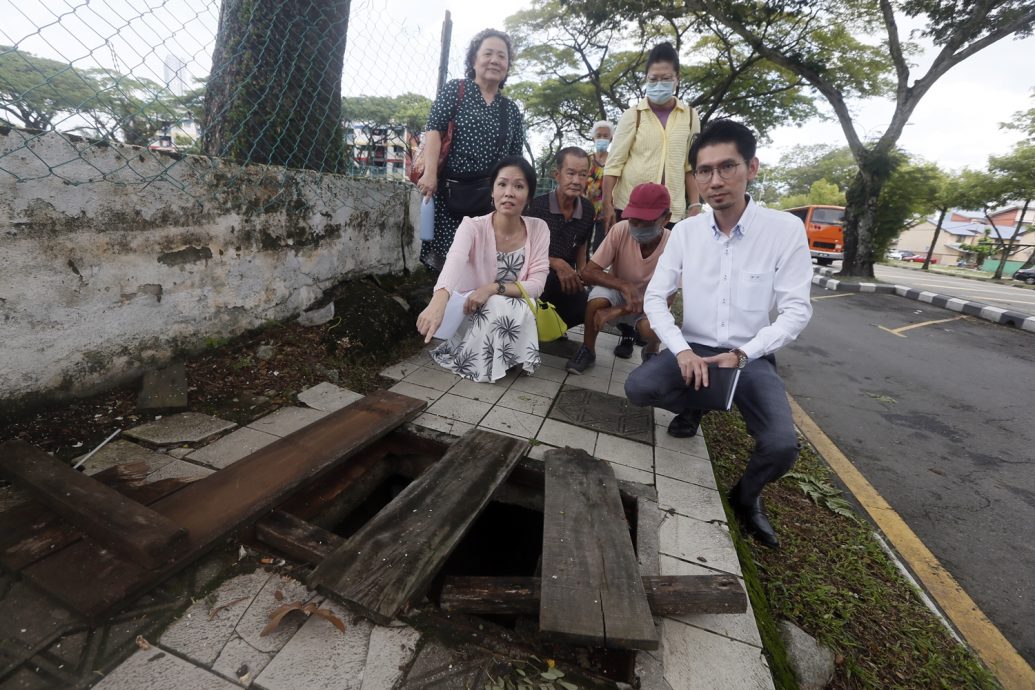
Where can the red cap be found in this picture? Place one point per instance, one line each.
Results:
(647, 202)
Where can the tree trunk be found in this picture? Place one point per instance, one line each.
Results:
(1008, 249)
(934, 240)
(274, 94)
(860, 218)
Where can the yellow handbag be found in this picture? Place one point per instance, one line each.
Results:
(548, 323)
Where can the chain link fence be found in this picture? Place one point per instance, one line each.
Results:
(252, 81)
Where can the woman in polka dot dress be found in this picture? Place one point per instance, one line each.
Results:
(476, 145)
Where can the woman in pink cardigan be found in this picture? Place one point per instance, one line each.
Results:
(489, 255)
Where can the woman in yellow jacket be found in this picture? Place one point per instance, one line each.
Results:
(652, 143)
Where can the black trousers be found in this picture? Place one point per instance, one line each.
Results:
(572, 308)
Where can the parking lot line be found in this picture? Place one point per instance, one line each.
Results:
(898, 331)
(980, 633)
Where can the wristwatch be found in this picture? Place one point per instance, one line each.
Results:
(500, 287)
(742, 359)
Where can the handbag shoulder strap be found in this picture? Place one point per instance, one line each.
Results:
(528, 300)
(459, 98)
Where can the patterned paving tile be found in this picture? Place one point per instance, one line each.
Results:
(604, 413)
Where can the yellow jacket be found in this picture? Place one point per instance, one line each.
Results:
(642, 153)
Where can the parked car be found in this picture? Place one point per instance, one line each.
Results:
(919, 258)
(1025, 274)
(899, 254)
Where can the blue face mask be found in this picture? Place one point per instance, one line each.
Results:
(645, 235)
(660, 92)
(601, 144)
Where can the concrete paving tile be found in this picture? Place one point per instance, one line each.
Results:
(519, 424)
(419, 392)
(287, 420)
(200, 639)
(460, 409)
(741, 627)
(538, 451)
(698, 542)
(232, 447)
(625, 452)
(438, 378)
(122, 452)
(616, 388)
(485, 392)
(560, 434)
(157, 670)
(28, 620)
(593, 383)
(447, 426)
(690, 446)
(328, 397)
(662, 416)
(627, 365)
(549, 373)
(164, 389)
(390, 651)
(321, 657)
(185, 427)
(553, 361)
(631, 474)
(530, 384)
(180, 469)
(688, 468)
(696, 659)
(690, 500)
(670, 565)
(530, 403)
(397, 372)
(249, 628)
(238, 655)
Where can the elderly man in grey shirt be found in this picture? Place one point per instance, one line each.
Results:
(734, 265)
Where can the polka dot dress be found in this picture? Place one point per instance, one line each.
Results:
(474, 149)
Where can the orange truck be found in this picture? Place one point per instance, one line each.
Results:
(825, 227)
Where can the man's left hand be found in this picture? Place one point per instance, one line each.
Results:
(568, 277)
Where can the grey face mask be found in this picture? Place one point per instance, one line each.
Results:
(645, 235)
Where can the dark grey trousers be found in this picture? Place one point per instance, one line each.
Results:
(760, 397)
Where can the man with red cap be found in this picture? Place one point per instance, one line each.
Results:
(631, 251)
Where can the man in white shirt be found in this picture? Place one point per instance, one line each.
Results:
(734, 266)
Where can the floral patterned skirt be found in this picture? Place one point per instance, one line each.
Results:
(500, 335)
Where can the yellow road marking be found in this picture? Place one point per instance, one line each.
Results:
(898, 331)
(979, 632)
(840, 294)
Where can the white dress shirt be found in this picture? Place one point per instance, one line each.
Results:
(731, 284)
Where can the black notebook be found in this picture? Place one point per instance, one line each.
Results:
(722, 384)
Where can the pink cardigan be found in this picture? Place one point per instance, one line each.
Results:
(471, 261)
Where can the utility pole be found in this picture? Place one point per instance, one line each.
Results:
(443, 60)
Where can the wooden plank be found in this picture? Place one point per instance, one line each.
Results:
(393, 557)
(112, 519)
(31, 531)
(296, 538)
(592, 592)
(93, 581)
(667, 595)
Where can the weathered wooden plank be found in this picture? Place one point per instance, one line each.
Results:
(296, 538)
(111, 518)
(31, 531)
(667, 595)
(92, 580)
(393, 557)
(592, 592)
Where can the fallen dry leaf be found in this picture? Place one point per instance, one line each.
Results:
(308, 609)
(265, 560)
(328, 615)
(278, 595)
(142, 643)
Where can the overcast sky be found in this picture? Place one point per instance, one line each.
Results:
(393, 47)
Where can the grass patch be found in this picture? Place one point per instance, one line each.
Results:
(832, 579)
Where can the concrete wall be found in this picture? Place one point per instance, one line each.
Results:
(113, 258)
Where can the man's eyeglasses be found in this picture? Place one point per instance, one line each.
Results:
(726, 171)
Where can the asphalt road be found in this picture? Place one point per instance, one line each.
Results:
(940, 422)
(1017, 297)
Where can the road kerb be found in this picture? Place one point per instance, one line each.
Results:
(980, 633)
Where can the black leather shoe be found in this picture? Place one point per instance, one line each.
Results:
(685, 424)
(754, 520)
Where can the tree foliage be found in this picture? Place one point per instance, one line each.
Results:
(576, 64)
(822, 192)
(796, 35)
(410, 110)
(37, 92)
(1023, 121)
